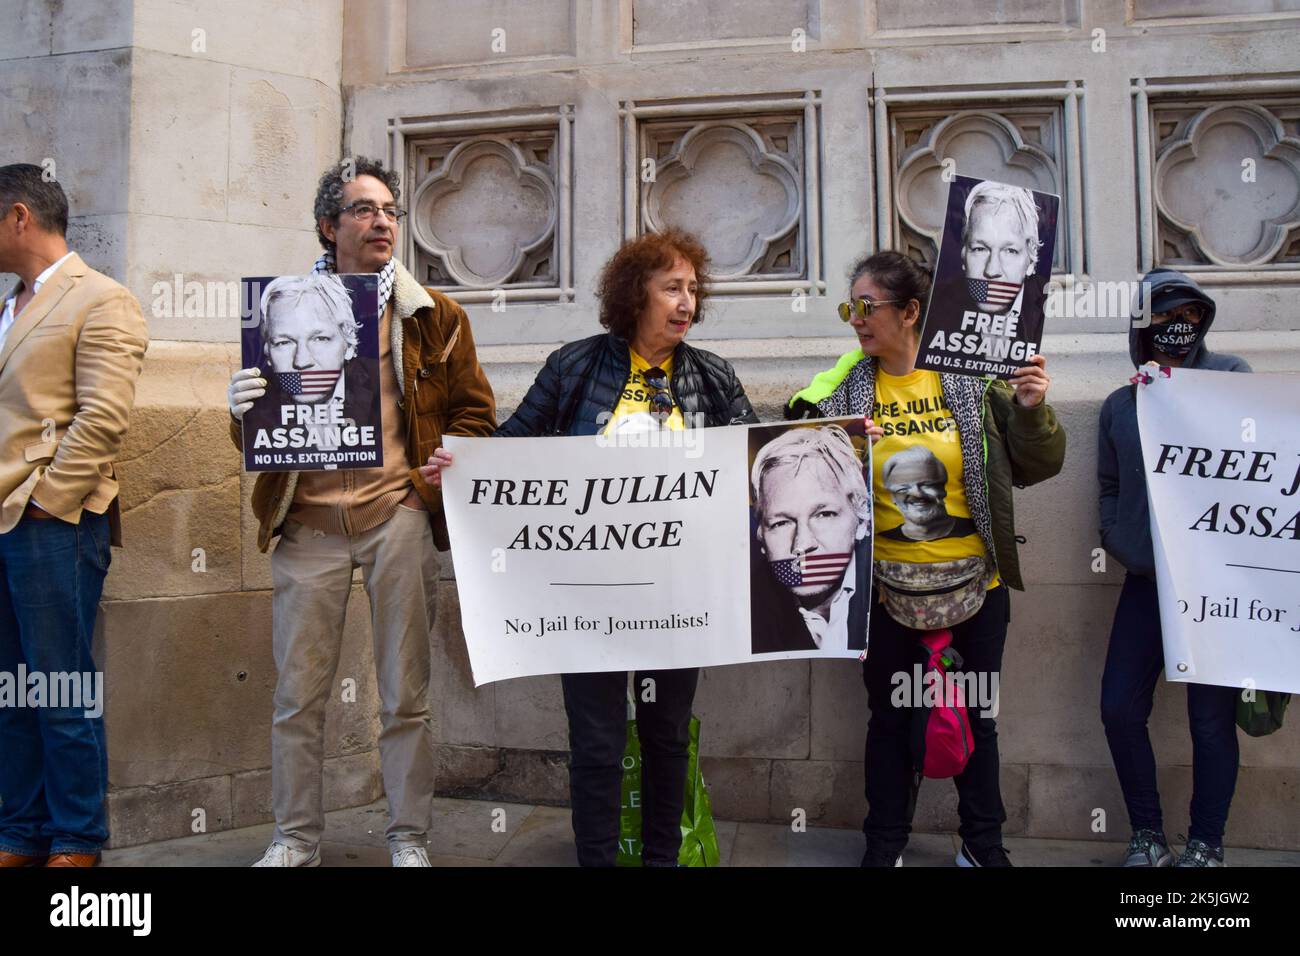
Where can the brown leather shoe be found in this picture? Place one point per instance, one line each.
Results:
(19, 859)
(73, 859)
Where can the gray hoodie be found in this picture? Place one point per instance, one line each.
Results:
(1125, 520)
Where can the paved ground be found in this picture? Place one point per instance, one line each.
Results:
(463, 835)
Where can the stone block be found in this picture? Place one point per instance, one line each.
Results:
(164, 246)
(147, 814)
(839, 710)
(754, 710)
(180, 135)
(462, 713)
(936, 805)
(464, 770)
(1050, 684)
(280, 127)
(74, 110)
(300, 37)
(28, 35)
(190, 684)
(180, 492)
(738, 787)
(530, 714)
(693, 21)
(80, 27)
(101, 242)
(521, 776)
(466, 34)
(928, 14)
(828, 791)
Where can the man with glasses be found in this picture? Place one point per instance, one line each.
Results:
(386, 520)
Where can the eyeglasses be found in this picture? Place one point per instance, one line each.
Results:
(363, 211)
(1189, 311)
(662, 398)
(863, 307)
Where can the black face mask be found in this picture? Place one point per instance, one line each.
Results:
(1175, 338)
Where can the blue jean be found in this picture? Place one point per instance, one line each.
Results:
(1133, 665)
(53, 760)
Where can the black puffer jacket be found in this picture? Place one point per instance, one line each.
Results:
(581, 383)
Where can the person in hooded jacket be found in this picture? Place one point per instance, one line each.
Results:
(1181, 316)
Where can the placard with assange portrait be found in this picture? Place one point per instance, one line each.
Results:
(661, 550)
(987, 302)
(315, 340)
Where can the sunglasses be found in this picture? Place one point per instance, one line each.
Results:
(862, 308)
(661, 399)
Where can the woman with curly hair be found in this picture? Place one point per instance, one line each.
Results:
(638, 376)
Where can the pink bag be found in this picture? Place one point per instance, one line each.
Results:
(941, 736)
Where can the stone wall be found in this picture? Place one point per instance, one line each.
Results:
(196, 154)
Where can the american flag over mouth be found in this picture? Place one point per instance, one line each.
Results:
(314, 382)
(810, 569)
(992, 291)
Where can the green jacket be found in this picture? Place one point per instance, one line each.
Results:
(1010, 445)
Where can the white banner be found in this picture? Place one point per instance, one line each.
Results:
(648, 551)
(1221, 454)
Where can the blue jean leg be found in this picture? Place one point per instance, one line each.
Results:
(55, 772)
(1212, 715)
(1128, 685)
(1133, 665)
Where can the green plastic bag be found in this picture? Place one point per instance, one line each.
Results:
(699, 839)
(1263, 715)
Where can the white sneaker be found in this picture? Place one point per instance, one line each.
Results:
(411, 856)
(279, 854)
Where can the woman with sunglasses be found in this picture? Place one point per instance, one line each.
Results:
(947, 450)
(638, 376)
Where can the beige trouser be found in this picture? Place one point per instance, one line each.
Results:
(312, 573)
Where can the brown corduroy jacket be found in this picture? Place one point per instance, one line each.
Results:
(444, 392)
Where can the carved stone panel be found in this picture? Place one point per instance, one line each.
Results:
(735, 182)
(1196, 9)
(1226, 183)
(1022, 145)
(484, 209)
(926, 14)
(691, 21)
(452, 32)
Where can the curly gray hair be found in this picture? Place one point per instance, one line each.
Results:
(329, 191)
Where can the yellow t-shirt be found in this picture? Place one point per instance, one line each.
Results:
(633, 412)
(921, 514)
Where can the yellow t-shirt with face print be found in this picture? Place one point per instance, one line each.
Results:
(634, 412)
(921, 513)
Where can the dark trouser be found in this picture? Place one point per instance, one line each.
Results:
(891, 797)
(53, 760)
(1133, 664)
(597, 709)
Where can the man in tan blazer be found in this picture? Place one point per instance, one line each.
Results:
(72, 344)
